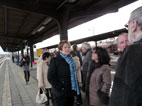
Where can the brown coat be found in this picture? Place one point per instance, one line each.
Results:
(102, 73)
(77, 62)
(42, 71)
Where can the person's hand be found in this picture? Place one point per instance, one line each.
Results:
(105, 90)
(41, 86)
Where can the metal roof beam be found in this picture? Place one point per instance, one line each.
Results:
(43, 36)
(14, 44)
(5, 21)
(18, 5)
(27, 17)
(14, 37)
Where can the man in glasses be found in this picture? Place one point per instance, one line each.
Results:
(127, 88)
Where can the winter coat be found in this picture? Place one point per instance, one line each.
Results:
(79, 56)
(77, 62)
(85, 65)
(42, 75)
(38, 62)
(25, 64)
(59, 77)
(127, 87)
(100, 80)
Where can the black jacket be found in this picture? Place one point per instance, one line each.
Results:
(127, 88)
(59, 76)
(27, 61)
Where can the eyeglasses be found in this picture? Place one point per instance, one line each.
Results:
(126, 26)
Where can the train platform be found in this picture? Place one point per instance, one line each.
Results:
(13, 90)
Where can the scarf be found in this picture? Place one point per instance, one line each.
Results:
(72, 66)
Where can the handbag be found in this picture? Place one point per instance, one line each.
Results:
(41, 97)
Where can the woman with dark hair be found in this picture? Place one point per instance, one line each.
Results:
(42, 71)
(63, 77)
(98, 78)
(25, 61)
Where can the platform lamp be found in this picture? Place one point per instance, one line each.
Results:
(34, 46)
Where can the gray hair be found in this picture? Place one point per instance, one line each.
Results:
(137, 15)
(86, 45)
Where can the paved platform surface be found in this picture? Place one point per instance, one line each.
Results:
(13, 90)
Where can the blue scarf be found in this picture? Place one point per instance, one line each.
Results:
(72, 66)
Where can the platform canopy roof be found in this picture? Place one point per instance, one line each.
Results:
(25, 22)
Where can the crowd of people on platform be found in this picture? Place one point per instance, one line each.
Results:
(92, 68)
(71, 73)
(67, 74)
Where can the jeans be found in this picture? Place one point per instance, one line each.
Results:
(27, 75)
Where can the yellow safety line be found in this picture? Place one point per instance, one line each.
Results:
(24, 77)
(21, 75)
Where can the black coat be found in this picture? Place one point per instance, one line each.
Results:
(27, 61)
(127, 88)
(59, 77)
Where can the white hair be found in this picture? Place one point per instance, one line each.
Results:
(122, 34)
(86, 45)
(137, 15)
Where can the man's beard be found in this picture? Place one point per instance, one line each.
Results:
(131, 37)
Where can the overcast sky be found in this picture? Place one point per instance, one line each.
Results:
(106, 23)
